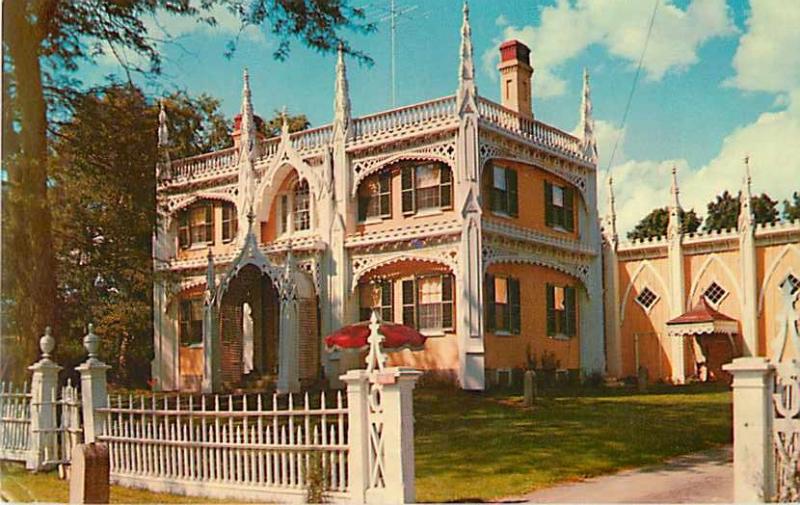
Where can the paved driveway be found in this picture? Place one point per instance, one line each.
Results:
(705, 477)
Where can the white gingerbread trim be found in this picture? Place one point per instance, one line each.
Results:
(363, 265)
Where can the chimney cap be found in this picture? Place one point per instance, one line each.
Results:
(515, 50)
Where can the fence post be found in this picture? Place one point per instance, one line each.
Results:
(43, 397)
(753, 452)
(357, 434)
(94, 393)
(398, 434)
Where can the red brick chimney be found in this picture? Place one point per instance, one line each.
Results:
(515, 77)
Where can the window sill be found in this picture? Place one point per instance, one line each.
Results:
(505, 334)
(560, 336)
(429, 212)
(199, 246)
(436, 332)
(198, 345)
(559, 229)
(497, 213)
(371, 220)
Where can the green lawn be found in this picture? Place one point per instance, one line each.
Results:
(470, 447)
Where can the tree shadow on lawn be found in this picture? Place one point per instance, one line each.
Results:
(471, 445)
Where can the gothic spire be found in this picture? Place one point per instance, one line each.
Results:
(610, 227)
(341, 102)
(248, 124)
(210, 278)
(163, 132)
(746, 217)
(587, 121)
(466, 71)
(674, 226)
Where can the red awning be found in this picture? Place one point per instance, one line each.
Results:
(396, 336)
(702, 319)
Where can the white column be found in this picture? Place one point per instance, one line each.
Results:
(212, 359)
(43, 408)
(94, 393)
(590, 300)
(747, 253)
(611, 308)
(753, 452)
(358, 435)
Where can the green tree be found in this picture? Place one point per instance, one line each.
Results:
(296, 122)
(43, 42)
(103, 189)
(723, 212)
(791, 209)
(655, 224)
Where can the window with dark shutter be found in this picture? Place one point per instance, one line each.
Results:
(447, 301)
(190, 321)
(376, 297)
(569, 211)
(570, 312)
(559, 207)
(407, 189)
(385, 187)
(551, 309)
(229, 222)
(387, 305)
(511, 184)
(446, 188)
(488, 304)
(514, 312)
(209, 225)
(183, 230)
(548, 204)
(409, 303)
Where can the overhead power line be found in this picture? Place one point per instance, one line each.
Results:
(633, 85)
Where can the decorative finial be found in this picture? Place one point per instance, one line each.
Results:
(587, 121)
(466, 71)
(341, 100)
(47, 343)
(747, 219)
(284, 120)
(376, 359)
(91, 343)
(251, 216)
(163, 131)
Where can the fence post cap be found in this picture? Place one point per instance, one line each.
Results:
(47, 343)
(91, 342)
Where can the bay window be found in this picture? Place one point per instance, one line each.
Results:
(559, 208)
(562, 317)
(502, 305)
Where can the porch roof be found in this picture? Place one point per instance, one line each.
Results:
(702, 319)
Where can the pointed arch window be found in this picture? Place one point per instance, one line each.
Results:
(294, 208)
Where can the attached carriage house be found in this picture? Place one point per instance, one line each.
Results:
(467, 219)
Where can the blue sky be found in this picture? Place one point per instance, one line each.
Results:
(719, 80)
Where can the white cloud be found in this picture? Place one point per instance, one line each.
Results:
(770, 141)
(768, 56)
(569, 27)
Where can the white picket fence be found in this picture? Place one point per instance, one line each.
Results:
(228, 446)
(15, 424)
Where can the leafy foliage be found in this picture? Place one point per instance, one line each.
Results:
(723, 212)
(655, 224)
(791, 209)
(272, 128)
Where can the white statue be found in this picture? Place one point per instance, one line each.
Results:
(247, 338)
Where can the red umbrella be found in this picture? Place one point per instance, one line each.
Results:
(396, 336)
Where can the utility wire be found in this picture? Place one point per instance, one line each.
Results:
(633, 86)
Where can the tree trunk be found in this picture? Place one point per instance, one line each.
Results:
(28, 231)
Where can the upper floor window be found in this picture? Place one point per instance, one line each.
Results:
(294, 208)
(503, 191)
(502, 307)
(428, 302)
(196, 225)
(562, 317)
(190, 321)
(425, 187)
(647, 299)
(714, 294)
(559, 210)
(375, 197)
(378, 297)
(230, 223)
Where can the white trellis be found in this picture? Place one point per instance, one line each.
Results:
(766, 403)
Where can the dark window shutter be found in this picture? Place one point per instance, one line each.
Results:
(551, 309)
(407, 186)
(488, 295)
(511, 187)
(445, 187)
(514, 306)
(363, 202)
(569, 211)
(570, 312)
(488, 188)
(408, 303)
(548, 204)
(387, 301)
(365, 313)
(447, 301)
(183, 229)
(210, 223)
(385, 183)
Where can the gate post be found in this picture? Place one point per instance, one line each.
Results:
(43, 412)
(357, 434)
(94, 393)
(753, 452)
